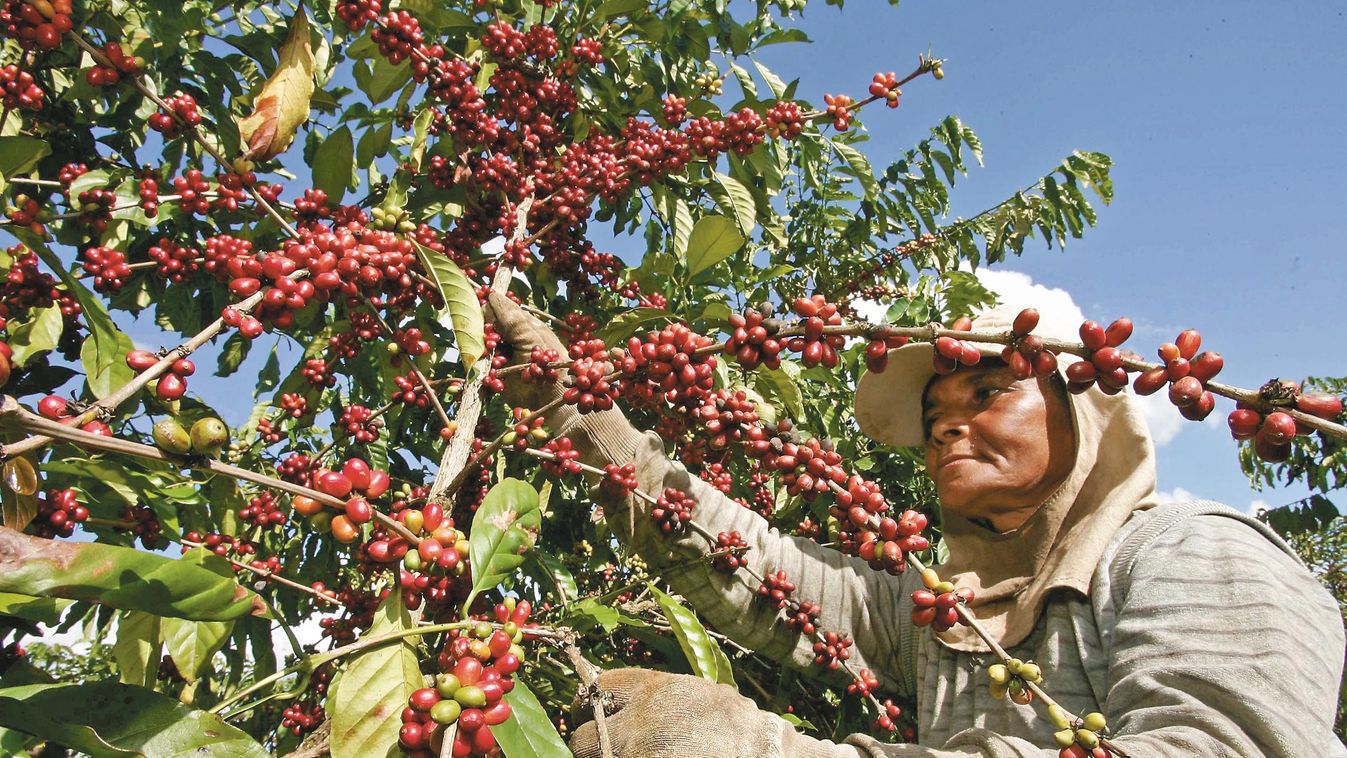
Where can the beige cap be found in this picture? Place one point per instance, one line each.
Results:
(888, 404)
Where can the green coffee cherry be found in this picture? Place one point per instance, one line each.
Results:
(446, 685)
(209, 436)
(1058, 717)
(1095, 722)
(471, 696)
(446, 711)
(1065, 738)
(170, 437)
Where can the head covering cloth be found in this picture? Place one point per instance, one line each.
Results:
(1013, 573)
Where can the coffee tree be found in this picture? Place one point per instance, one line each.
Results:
(346, 183)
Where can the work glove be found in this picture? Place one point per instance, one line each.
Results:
(652, 714)
(601, 437)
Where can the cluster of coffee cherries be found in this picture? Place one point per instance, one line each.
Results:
(806, 468)
(359, 422)
(58, 513)
(27, 212)
(885, 85)
(669, 365)
(123, 65)
(839, 110)
(477, 668)
(179, 115)
(18, 89)
(880, 540)
(173, 384)
(672, 510)
(1026, 355)
(937, 605)
(1273, 432)
(588, 386)
(563, 457)
(877, 349)
(1012, 678)
(527, 429)
(1079, 738)
(1187, 373)
(752, 341)
(1104, 363)
(107, 266)
(816, 348)
(36, 24)
(831, 650)
(952, 352)
(263, 511)
(619, 481)
(732, 547)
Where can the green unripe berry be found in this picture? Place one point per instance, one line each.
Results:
(471, 696)
(1064, 738)
(446, 685)
(446, 711)
(170, 437)
(1058, 717)
(481, 630)
(209, 436)
(1095, 722)
(1087, 738)
(998, 673)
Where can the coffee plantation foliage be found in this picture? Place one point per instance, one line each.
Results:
(312, 202)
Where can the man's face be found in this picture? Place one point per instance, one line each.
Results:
(996, 447)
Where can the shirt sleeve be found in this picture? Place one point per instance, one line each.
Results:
(864, 604)
(1223, 646)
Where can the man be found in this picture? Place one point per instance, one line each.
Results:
(1192, 627)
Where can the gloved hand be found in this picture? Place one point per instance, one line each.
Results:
(651, 714)
(601, 437)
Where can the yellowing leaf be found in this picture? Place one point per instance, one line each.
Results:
(282, 105)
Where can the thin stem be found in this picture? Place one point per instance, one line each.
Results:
(38, 425)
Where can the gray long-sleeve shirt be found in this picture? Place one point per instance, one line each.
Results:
(1202, 634)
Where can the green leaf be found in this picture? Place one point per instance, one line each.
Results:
(778, 87)
(528, 733)
(120, 577)
(781, 385)
(104, 350)
(707, 659)
(137, 648)
(713, 239)
(623, 325)
(333, 163)
(44, 610)
(460, 302)
(368, 695)
(19, 154)
(191, 644)
(420, 131)
(588, 612)
(860, 167)
(503, 530)
(104, 363)
(111, 719)
(232, 354)
(736, 199)
(556, 572)
(37, 335)
(387, 79)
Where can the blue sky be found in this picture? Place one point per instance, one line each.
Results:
(1230, 168)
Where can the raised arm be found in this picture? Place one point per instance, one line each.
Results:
(855, 600)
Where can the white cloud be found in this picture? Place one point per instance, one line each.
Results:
(1018, 289)
(1178, 494)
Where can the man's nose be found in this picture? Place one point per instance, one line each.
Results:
(948, 429)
